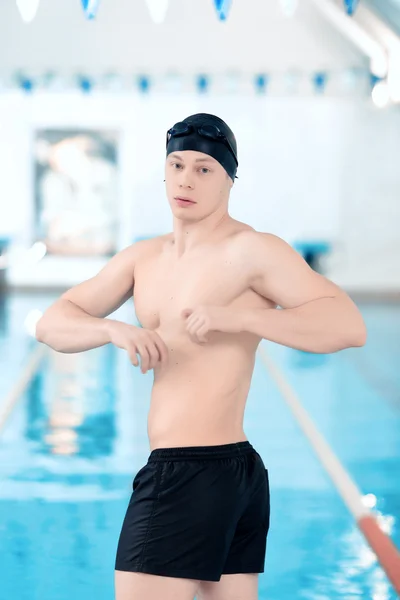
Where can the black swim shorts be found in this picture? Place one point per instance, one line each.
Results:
(197, 512)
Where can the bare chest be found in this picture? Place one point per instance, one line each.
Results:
(163, 289)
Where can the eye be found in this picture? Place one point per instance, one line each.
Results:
(205, 170)
(177, 165)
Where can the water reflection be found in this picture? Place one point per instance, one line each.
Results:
(360, 570)
(71, 404)
(4, 317)
(305, 360)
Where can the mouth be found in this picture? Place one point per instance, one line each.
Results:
(183, 200)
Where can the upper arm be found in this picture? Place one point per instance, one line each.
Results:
(104, 293)
(280, 274)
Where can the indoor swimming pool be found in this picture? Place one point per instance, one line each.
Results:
(75, 439)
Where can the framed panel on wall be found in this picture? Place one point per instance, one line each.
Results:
(76, 190)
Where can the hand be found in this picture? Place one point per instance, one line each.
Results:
(202, 319)
(136, 340)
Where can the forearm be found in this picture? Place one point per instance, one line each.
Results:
(321, 326)
(67, 328)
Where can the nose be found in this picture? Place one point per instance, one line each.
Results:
(186, 181)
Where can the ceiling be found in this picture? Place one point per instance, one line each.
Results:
(255, 37)
(387, 10)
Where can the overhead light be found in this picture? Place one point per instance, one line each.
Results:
(158, 10)
(380, 94)
(379, 65)
(35, 253)
(28, 9)
(364, 40)
(369, 500)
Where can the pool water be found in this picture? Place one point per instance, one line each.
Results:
(76, 438)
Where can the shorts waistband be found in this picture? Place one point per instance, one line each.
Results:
(201, 452)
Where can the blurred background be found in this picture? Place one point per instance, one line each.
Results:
(88, 89)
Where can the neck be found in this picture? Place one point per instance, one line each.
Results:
(189, 235)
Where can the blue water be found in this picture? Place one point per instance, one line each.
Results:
(76, 438)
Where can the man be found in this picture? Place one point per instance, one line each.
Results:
(205, 295)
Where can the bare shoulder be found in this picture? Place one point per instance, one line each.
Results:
(150, 247)
(252, 236)
(149, 244)
(263, 254)
(258, 243)
(276, 271)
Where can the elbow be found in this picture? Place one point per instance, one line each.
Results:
(43, 333)
(346, 339)
(361, 339)
(359, 336)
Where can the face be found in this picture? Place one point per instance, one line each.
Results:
(200, 178)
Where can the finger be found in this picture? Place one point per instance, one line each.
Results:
(134, 359)
(153, 353)
(145, 358)
(198, 340)
(132, 353)
(162, 349)
(191, 320)
(194, 325)
(202, 332)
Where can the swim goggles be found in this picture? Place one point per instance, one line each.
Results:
(210, 132)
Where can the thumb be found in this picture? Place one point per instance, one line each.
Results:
(187, 312)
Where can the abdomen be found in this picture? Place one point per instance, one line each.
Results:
(200, 397)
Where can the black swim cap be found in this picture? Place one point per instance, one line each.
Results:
(208, 134)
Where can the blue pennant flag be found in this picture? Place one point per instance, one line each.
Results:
(144, 83)
(222, 7)
(85, 83)
(319, 79)
(261, 82)
(350, 6)
(374, 79)
(90, 8)
(203, 83)
(26, 84)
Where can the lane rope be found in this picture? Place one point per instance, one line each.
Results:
(28, 372)
(381, 544)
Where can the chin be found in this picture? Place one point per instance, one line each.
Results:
(182, 215)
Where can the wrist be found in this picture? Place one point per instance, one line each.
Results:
(252, 317)
(244, 319)
(107, 326)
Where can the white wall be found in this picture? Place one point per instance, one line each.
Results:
(368, 256)
(320, 168)
(309, 167)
